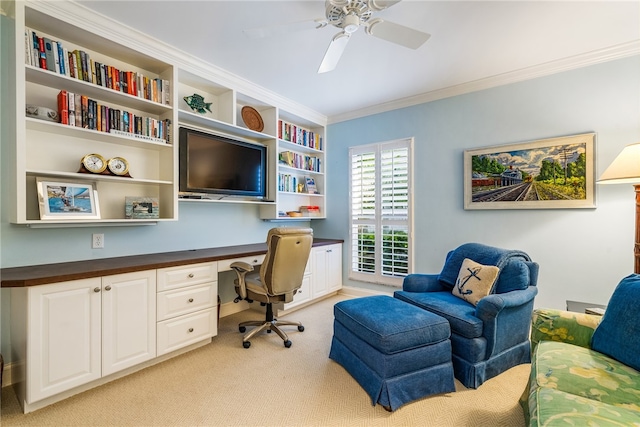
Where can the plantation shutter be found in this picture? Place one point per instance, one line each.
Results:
(380, 212)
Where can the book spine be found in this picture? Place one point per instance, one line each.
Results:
(85, 111)
(28, 47)
(56, 57)
(65, 58)
(63, 107)
(78, 109)
(51, 60)
(92, 67)
(43, 53)
(71, 105)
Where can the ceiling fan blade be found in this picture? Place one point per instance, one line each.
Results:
(397, 33)
(280, 29)
(382, 4)
(334, 52)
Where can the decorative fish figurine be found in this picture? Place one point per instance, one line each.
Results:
(196, 102)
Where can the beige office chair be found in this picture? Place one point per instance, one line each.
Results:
(279, 278)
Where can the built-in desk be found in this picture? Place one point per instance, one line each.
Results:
(76, 325)
(61, 272)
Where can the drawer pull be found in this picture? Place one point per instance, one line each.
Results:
(190, 276)
(96, 289)
(190, 300)
(190, 329)
(107, 288)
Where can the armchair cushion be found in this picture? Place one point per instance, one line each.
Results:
(475, 281)
(618, 335)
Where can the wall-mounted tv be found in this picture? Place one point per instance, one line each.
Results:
(213, 164)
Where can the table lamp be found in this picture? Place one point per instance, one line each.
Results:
(625, 169)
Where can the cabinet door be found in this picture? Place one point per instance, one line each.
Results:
(128, 320)
(63, 337)
(320, 273)
(334, 267)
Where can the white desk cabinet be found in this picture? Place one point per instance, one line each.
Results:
(82, 330)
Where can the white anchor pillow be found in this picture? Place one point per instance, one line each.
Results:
(475, 281)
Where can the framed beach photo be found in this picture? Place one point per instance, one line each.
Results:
(61, 200)
(554, 173)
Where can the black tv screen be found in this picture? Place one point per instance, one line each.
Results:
(215, 164)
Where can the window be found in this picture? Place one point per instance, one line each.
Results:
(380, 209)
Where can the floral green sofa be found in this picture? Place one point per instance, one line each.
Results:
(585, 368)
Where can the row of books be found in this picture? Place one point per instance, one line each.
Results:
(300, 161)
(48, 54)
(79, 110)
(298, 135)
(292, 184)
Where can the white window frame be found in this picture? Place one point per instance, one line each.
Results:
(378, 222)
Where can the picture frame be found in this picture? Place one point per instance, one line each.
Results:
(67, 200)
(552, 173)
(310, 185)
(141, 208)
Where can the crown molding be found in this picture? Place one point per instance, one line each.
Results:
(83, 17)
(553, 67)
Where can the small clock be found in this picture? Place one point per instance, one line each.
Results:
(93, 163)
(118, 166)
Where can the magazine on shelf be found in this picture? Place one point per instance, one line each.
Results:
(310, 185)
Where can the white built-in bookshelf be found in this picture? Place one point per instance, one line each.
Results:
(133, 87)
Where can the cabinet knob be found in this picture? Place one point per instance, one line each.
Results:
(96, 289)
(190, 329)
(107, 288)
(190, 276)
(329, 250)
(190, 300)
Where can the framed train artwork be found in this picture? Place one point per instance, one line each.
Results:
(554, 173)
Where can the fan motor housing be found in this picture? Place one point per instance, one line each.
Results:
(355, 12)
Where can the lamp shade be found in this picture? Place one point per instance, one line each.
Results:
(625, 169)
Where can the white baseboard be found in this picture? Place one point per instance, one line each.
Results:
(6, 375)
(361, 292)
(229, 308)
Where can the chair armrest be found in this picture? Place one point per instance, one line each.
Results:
(564, 326)
(241, 266)
(506, 318)
(491, 305)
(241, 269)
(422, 283)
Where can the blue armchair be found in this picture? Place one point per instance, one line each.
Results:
(492, 336)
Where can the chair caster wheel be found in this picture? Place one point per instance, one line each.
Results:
(301, 328)
(242, 329)
(287, 343)
(246, 344)
(268, 331)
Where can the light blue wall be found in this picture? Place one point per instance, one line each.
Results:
(582, 253)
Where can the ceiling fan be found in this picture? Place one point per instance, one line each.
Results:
(349, 16)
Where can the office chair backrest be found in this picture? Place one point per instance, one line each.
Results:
(283, 267)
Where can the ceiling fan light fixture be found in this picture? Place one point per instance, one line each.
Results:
(351, 23)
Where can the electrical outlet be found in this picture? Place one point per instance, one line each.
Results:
(97, 241)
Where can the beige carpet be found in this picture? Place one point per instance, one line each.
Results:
(223, 384)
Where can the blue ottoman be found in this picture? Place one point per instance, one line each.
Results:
(396, 351)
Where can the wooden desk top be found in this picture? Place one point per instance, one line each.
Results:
(61, 272)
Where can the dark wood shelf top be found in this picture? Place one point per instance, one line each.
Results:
(44, 274)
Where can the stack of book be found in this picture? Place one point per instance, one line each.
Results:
(79, 110)
(298, 135)
(45, 53)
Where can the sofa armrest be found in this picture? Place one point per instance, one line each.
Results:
(422, 283)
(564, 326)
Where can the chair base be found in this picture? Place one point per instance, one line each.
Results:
(269, 324)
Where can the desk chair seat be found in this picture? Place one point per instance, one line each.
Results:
(278, 280)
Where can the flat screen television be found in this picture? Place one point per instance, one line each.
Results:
(213, 164)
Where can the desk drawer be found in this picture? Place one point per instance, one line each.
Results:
(225, 264)
(186, 275)
(186, 300)
(185, 330)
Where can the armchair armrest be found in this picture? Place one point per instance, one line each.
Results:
(422, 283)
(491, 305)
(563, 326)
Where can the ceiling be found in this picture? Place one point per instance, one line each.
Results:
(471, 41)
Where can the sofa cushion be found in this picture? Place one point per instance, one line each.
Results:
(514, 276)
(584, 372)
(460, 314)
(475, 281)
(553, 407)
(618, 335)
